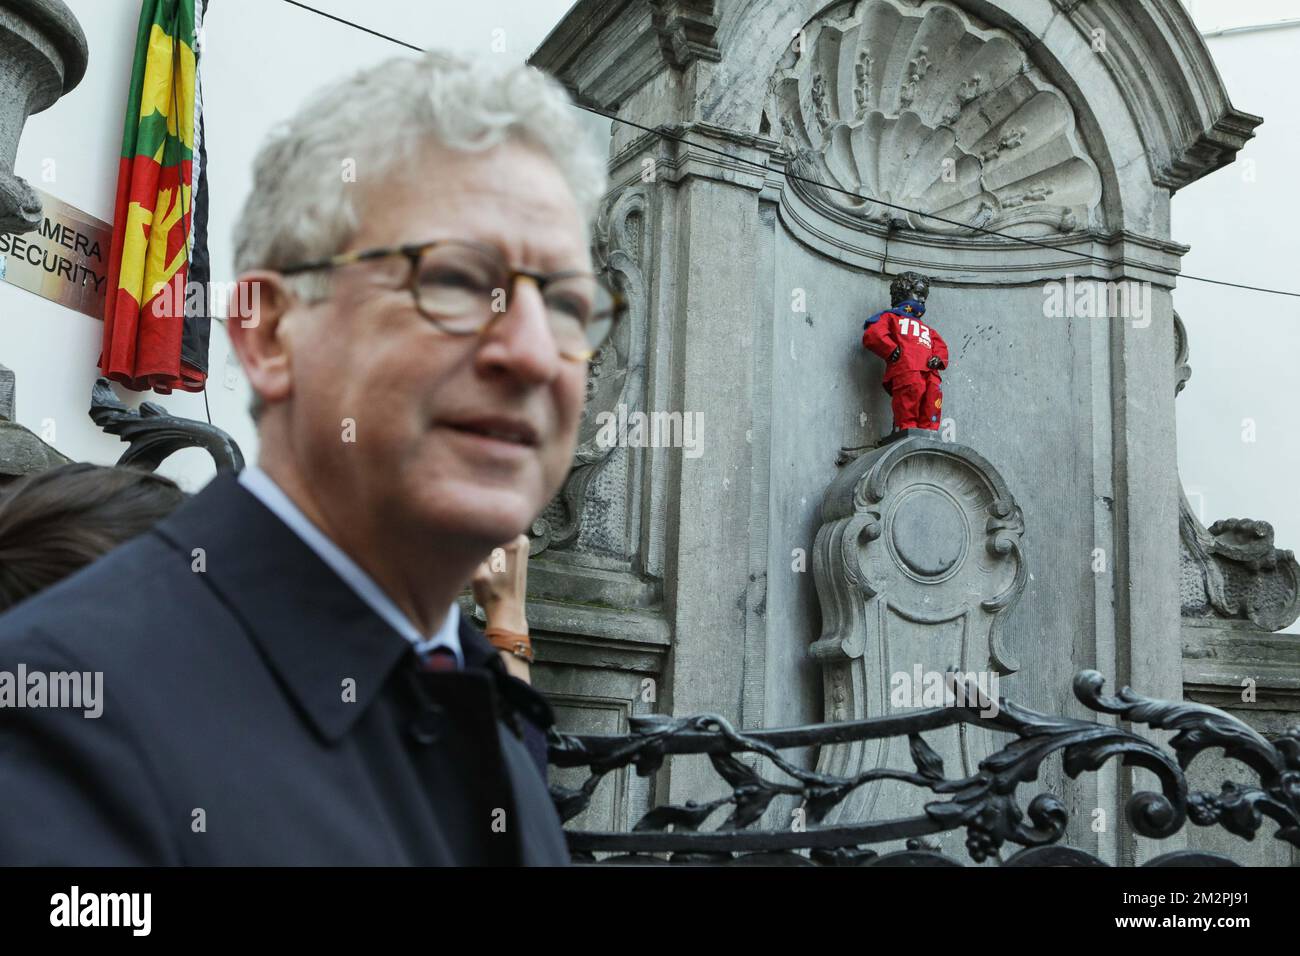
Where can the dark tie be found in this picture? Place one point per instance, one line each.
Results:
(441, 659)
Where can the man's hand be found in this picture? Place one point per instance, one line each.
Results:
(500, 584)
(896, 354)
(935, 362)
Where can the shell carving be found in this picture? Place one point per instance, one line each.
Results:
(923, 107)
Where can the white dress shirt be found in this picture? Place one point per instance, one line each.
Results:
(259, 484)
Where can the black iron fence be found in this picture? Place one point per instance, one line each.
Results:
(985, 805)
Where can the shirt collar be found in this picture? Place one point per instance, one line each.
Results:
(313, 634)
(327, 647)
(259, 484)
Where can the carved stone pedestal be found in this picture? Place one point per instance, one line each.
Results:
(917, 555)
(42, 56)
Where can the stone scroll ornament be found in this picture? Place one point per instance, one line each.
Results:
(917, 558)
(914, 354)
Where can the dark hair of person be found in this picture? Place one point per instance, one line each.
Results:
(56, 522)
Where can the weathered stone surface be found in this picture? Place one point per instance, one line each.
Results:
(1255, 676)
(22, 452)
(1231, 570)
(6, 394)
(754, 286)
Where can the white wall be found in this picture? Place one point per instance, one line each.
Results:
(1245, 345)
(262, 58)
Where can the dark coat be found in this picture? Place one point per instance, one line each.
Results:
(228, 733)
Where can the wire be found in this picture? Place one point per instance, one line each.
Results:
(795, 177)
(357, 26)
(666, 133)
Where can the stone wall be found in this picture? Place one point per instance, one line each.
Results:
(689, 587)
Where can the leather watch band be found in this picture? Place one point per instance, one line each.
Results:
(512, 642)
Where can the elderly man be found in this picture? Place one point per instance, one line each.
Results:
(286, 676)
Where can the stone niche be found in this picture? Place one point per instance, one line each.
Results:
(1045, 139)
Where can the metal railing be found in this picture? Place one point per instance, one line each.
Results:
(985, 805)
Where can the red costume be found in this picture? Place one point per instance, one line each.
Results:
(914, 355)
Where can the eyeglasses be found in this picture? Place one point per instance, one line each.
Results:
(462, 288)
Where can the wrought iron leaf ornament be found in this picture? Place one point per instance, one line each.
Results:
(928, 763)
(153, 434)
(984, 804)
(686, 817)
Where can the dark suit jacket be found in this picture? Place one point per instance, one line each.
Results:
(256, 711)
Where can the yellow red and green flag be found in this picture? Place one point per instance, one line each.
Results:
(156, 322)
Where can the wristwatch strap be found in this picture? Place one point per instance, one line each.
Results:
(511, 642)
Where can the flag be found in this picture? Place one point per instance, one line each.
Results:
(156, 312)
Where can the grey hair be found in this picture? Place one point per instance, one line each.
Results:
(303, 203)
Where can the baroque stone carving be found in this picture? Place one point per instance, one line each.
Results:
(922, 106)
(1182, 368)
(1231, 570)
(686, 30)
(618, 252)
(42, 56)
(917, 557)
(1145, 39)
